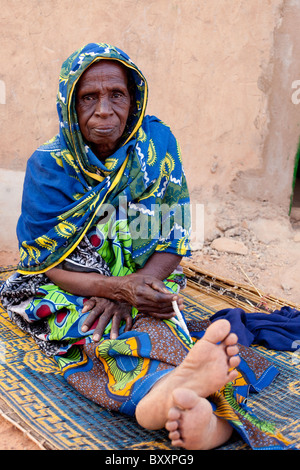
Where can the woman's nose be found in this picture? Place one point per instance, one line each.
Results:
(103, 107)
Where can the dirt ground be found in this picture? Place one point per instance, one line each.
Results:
(263, 252)
(272, 268)
(12, 438)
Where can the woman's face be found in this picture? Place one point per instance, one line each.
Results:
(103, 104)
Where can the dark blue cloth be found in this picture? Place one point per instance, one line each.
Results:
(279, 330)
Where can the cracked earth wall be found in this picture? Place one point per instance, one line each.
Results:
(220, 74)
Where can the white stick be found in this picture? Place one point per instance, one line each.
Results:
(179, 317)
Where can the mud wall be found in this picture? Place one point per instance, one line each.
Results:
(220, 73)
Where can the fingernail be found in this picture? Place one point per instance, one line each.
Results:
(84, 328)
(96, 337)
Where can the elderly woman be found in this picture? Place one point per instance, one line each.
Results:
(104, 225)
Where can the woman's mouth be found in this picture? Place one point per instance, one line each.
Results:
(103, 131)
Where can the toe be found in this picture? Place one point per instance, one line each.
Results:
(171, 425)
(234, 361)
(178, 443)
(231, 339)
(232, 375)
(185, 398)
(217, 331)
(232, 350)
(173, 414)
(174, 435)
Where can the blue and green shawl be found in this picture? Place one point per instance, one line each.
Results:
(66, 187)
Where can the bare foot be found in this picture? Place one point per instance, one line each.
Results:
(208, 366)
(192, 424)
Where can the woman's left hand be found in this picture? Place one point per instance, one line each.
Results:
(107, 310)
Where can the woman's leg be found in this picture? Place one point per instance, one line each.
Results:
(178, 401)
(193, 425)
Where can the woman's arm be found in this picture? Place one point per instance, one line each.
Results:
(161, 265)
(143, 289)
(146, 289)
(82, 284)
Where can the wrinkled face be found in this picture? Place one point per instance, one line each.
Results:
(103, 104)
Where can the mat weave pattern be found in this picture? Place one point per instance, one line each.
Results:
(36, 398)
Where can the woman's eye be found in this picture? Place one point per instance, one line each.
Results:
(116, 94)
(87, 98)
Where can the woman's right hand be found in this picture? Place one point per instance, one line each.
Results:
(148, 294)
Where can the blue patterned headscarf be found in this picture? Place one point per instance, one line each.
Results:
(65, 184)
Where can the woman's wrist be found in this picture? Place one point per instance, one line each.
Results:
(120, 287)
(85, 284)
(111, 287)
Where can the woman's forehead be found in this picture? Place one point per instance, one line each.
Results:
(104, 70)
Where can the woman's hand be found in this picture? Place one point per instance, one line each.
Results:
(107, 310)
(144, 289)
(148, 294)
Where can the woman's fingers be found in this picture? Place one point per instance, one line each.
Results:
(121, 312)
(88, 304)
(107, 311)
(115, 325)
(102, 324)
(96, 307)
(159, 286)
(157, 303)
(144, 292)
(150, 297)
(116, 322)
(128, 322)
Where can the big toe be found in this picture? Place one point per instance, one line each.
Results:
(217, 331)
(185, 398)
